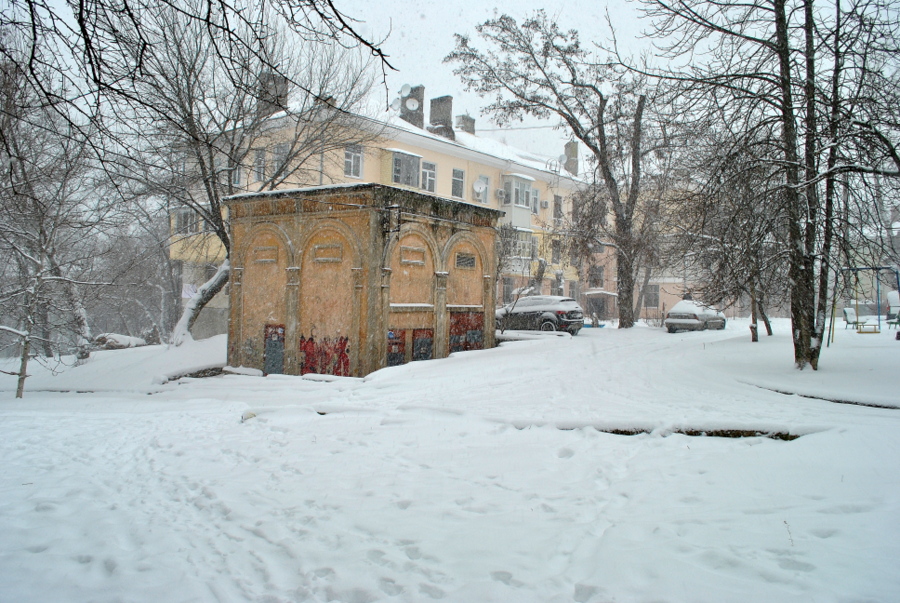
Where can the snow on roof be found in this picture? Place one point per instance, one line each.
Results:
(522, 176)
(404, 151)
(289, 191)
(481, 145)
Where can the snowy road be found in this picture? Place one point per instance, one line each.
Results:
(452, 479)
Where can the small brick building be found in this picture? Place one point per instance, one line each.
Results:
(347, 279)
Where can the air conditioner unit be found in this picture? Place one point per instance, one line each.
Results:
(545, 204)
(501, 194)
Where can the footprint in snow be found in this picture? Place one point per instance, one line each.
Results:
(431, 590)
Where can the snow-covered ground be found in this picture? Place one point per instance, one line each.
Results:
(488, 476)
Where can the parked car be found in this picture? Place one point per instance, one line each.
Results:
(689, 315)
(544, 312)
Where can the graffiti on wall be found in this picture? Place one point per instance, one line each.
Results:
(327, 356)
(466, 331)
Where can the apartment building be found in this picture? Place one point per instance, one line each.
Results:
(440, 156)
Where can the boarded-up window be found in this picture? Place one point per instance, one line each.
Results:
(465, 260)
(412, 255)
(328, 253)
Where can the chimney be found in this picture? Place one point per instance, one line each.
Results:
(273, 94)
(466, 124)
(571, 152)
(442, 117)
(416, 115)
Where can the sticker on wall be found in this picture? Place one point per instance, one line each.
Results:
(396, 347)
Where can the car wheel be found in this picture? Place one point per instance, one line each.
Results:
(671, 329)
(574, 332)
(704, 326)
(722, 328)
(548, 326)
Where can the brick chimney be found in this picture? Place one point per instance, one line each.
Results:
(415, 116)
(442, 117)
(466, 124)
(571, 152)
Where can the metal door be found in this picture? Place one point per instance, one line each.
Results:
(273, 362)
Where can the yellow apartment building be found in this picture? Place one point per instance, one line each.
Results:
(443, 158)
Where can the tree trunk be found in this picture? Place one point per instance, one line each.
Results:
(207, 291)
(765, 317)
(23, 366)
(639, 304)
(811, 190)
(802, 298)
(754, 333)
(830, 192)
(625, 288)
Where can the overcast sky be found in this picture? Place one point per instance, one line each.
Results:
(419, 35)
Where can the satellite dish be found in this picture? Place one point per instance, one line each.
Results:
(412, 104)
(479, 186)
(395, 104)
(562, 158)
(405, 90)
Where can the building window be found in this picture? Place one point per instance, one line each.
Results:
(520, 192)
(186, 221)
(557, 208)
(556, 249)
(459, 183)
(484, 195)
(651, 296)
(353, 158)
(236, 174)
(507, 289)
(429, 176)
(259, 165)
(280, 155)
(406, 170)
(595, 277)
(507, 192)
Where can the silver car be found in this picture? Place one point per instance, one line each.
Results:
(543, 312)
(689, 315)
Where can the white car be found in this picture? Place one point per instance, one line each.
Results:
(689, 315)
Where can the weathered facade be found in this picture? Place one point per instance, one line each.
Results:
(347, 279)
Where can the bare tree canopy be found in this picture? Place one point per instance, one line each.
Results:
(822, 77)
(534, 68)
(92, 33)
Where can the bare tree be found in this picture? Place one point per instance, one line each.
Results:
(188, 77)
(206, 127)
(729, 229)
(49, 237)
(534, 68)
(788, 67)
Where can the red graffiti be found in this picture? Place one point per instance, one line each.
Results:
(326, 357)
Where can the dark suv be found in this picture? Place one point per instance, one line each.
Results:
(544, 312)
